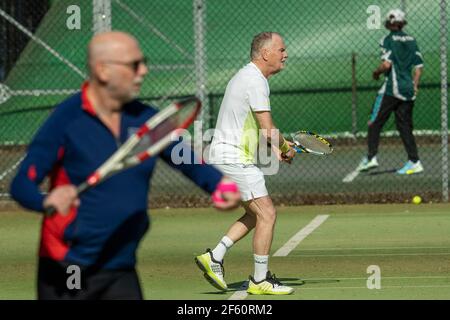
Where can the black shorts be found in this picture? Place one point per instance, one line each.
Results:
(58, 280)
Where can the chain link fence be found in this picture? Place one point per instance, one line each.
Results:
(196, 46)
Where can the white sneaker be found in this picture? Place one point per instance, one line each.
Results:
(270, 285)
(365, 164)
(411, 168)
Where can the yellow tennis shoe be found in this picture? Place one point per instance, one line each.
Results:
(270, 285)
(213, 270)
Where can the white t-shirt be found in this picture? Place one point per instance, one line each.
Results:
(236, 135)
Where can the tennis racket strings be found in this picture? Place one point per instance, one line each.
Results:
(182, 114)
(309, 142)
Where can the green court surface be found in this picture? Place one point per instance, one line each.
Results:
(409, 244)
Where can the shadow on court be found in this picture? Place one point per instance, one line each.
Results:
(315, 281)
(243, 285)
(377, 172)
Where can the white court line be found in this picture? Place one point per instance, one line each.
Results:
(241, 294)
(299, 236)
(369, 248)
(365, 278)
(372, 255)
(382, 287)
(351, 176)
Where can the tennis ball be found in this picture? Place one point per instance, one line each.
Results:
(409, 171)
(416, 199)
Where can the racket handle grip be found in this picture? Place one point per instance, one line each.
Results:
(49, 211)
(298, 150)
(83, 187)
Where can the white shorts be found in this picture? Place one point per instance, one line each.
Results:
(248, 177)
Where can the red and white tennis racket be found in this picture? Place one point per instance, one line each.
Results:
(150, 139)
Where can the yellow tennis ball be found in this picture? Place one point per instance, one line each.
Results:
(409, 171)
(416, 199)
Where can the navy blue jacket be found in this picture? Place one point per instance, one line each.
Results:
(107, 227)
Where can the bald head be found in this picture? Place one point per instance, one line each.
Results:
(116, 64)
(111, 46)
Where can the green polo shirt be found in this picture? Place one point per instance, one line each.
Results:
(401, 50)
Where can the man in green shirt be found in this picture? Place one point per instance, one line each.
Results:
(400, 54)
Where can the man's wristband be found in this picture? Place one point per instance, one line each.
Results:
(285, 147)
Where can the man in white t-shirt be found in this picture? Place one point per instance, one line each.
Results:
(245, 110)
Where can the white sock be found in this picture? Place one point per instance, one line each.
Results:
(261, 267)
(221, 248)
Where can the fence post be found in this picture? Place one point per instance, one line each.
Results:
(101, 16)
(200, 62)
(200, 59)
(444, 98)
(354, 98)
(403, 5)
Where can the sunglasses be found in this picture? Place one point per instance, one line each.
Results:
(134, 65)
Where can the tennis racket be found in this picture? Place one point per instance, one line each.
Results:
(310, 142)
(150, 139)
